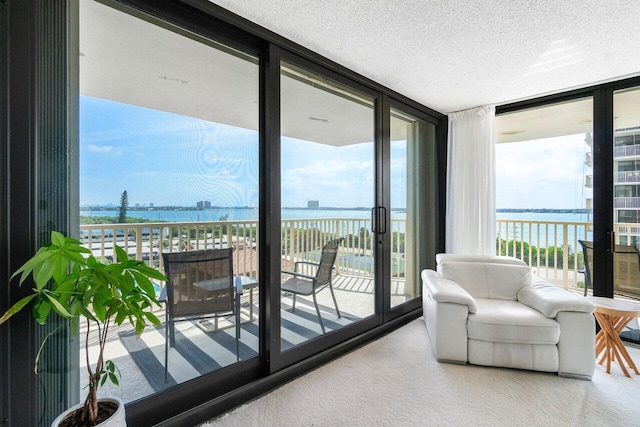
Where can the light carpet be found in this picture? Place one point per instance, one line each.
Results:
(396, 381)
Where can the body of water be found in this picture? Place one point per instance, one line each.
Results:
(553, 235)
(236, 214)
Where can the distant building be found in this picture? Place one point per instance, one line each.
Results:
(626, 169)
(203, 205)
(313, 204)
(151, 205)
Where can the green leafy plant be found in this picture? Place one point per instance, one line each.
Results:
(74, 284)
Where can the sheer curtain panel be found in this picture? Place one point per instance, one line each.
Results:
(471, 198)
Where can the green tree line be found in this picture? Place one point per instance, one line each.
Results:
(547, 255)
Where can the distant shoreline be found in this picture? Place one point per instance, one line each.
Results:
(193, 208)
(513, 210)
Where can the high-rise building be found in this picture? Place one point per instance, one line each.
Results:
(313, 204)
(626, 179)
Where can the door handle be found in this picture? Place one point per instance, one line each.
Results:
(382, 226)
(379, 220)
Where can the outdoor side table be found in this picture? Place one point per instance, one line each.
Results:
(613, 315)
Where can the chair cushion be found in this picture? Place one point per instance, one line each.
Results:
(495, 281)
(298, 286)
(511, 322)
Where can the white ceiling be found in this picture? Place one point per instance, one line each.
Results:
(452, 55)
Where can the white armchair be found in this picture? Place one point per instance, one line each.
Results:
(492, 311)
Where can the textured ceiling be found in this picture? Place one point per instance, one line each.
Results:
(451, 55)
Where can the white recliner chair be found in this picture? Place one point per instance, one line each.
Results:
(492, 311)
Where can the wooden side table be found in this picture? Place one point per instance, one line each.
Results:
(613, 315)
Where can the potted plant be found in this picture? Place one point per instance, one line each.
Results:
(75, 285)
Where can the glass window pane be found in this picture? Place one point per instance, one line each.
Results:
(626, 157)
(413, 207)
(168, 164)
(544, 188)
(328, 172)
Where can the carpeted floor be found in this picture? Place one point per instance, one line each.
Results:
(396, 381)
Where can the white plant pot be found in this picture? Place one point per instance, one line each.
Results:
(118, 419)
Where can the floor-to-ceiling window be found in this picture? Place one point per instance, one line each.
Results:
(168, 163)
(544, 188)
(165, 151)
(603, 167)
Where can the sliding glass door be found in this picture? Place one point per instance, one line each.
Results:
(328, 183)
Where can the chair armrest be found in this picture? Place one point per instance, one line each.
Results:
(294, 273)
(295, 265)
(315, 264)
(445, 290)
(549, 299)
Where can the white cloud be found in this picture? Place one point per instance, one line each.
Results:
(546, 173)
(101, 148)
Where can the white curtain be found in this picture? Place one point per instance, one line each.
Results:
(471, 188)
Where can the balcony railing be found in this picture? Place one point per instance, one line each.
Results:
(302, 239)
(626, 151)
(626, 202)
(630, 176)
(551, 248)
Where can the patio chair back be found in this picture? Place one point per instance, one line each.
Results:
(200, 282)
(327, 260)
(626, 268)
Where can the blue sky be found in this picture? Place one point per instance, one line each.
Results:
(163, 158)
(167, 159)
(544, 173)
